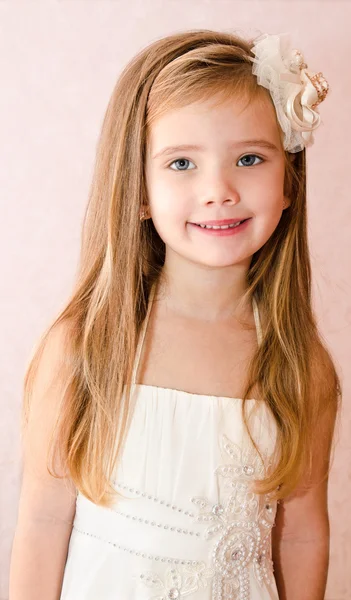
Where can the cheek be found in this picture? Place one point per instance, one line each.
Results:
(169, 205)
(270, 215)
(267, 196)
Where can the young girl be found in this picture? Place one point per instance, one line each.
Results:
(184, 395)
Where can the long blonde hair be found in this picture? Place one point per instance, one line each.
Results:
(121, 258)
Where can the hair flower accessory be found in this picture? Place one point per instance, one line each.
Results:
(295, 91)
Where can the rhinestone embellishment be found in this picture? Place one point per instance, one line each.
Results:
(248, 470)
(241, 523)
(217, 509)
(243, 520)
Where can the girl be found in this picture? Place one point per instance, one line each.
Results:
(184, 396)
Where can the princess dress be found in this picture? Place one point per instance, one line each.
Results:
(187, 526)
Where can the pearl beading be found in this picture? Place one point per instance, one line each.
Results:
(175, 561)
(178, 581)
(232, 555)
(160, 501)
(155, 524)
(244, 542)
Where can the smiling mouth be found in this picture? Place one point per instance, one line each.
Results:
(226, 226)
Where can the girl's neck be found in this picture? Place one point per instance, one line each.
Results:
(212, 297)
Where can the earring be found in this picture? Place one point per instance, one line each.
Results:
(143, 214)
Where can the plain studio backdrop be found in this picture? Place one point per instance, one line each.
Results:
(59, 63)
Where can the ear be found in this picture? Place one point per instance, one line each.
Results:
(286, 202)
(144, 212)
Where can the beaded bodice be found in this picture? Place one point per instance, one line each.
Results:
(187, 524)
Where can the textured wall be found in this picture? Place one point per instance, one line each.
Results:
(59, 62)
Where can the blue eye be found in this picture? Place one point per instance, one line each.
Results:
(251, 156)
(178, 161)
(185, 160)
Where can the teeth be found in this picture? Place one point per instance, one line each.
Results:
(220, 226)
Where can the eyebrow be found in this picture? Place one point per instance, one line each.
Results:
(183, 147)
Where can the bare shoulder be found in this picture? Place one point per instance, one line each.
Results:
(44, 498)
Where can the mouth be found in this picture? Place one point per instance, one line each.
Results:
(225, 230)
(224, 224)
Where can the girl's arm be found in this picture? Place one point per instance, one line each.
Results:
(47, 505)
(301, 536)
(300, 547)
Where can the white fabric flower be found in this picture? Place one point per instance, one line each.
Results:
(295, 91)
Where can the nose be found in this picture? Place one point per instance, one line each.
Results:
(220, 188)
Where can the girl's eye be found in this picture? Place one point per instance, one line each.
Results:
(180, 160)
(186, 161)
(251, 156)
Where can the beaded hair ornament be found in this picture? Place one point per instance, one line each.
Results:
(295, 91)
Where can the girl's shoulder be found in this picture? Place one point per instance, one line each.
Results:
(45, 499)
(47, 383)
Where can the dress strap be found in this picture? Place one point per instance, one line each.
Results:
(142, 334)
(257, 320)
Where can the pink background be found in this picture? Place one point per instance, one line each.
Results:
(59, 62)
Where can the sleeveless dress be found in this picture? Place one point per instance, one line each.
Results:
(187, 525)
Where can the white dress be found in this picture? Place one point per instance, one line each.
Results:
(187, 526)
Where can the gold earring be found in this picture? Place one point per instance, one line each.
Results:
(142, 215)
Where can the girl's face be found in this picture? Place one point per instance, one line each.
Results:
(228, 175)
